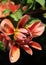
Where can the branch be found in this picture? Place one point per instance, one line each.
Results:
(37, 12)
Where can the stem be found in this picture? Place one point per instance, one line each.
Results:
(37, 12)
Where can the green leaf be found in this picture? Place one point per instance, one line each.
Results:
(41, 2)
(14, 16)
(17, 15)
(29, 1)
(4, 1)
(44, 15)
(2, 46)
(6, 11)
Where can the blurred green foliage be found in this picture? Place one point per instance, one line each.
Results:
(2, 46)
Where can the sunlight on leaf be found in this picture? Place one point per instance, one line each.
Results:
(41, 2)
(6, 11)
(17, 15)
(29, 1)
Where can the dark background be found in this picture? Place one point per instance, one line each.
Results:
(38, 57)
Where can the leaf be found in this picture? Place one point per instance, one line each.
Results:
(41, 2)
(27, 49)
(2, 46)
(6, 11)
(14, 54)
(14, 16)
(24, 19)
(13, 8)
(29, 1)
(36, 27)
(35, 45)
(4, 1)
(17, 15)
(44, 15)
(7, 27)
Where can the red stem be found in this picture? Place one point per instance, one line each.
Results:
(37, 12)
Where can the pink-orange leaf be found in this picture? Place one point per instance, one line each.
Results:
(35, 45)
(2, 8)
(23, 21)
(7, 27)
(27, 49)
(14, 54)
(13, 7)
(36, 28)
